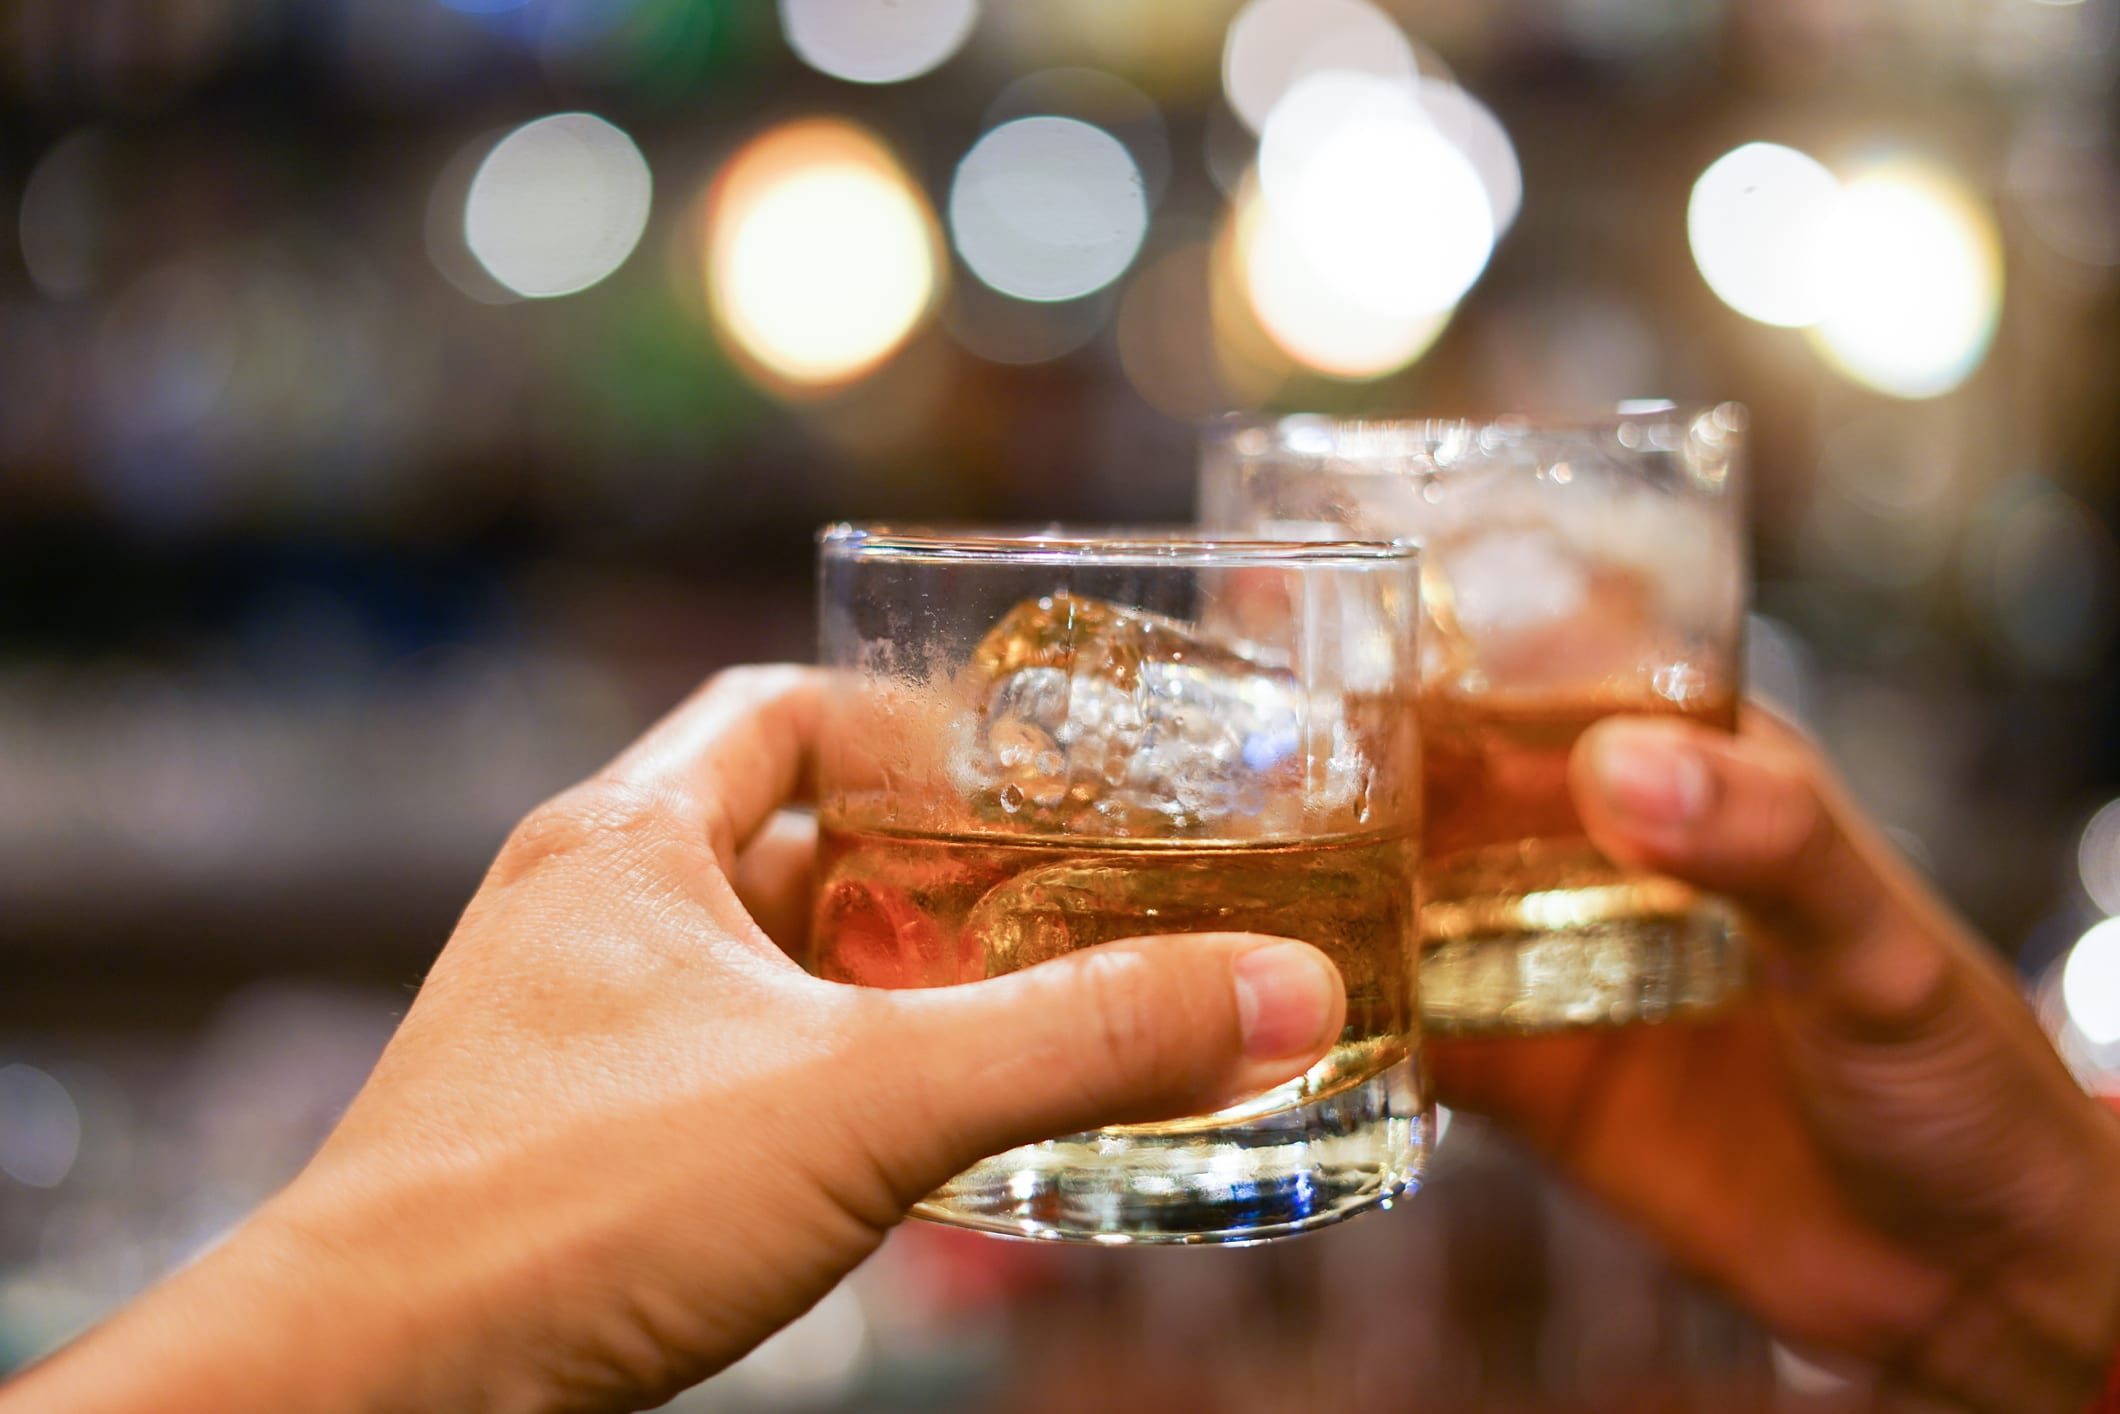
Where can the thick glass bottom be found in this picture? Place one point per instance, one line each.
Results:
(1568, 958)
(1262, 1178)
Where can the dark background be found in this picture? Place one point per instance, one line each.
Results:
(317, 570)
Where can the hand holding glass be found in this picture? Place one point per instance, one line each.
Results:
(1569, 572)
(1042, 742)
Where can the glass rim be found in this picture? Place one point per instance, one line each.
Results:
(1646, 413)
(1141, 546)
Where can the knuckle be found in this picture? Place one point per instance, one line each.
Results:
(585, 821)
(902, 1126)
(1817, 870)
(719, 830)
(1791, 826)
(754, 682)
(1130, 1038)
(1809, 836)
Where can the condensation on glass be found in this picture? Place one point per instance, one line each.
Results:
(1040, 741)
(1570, 571)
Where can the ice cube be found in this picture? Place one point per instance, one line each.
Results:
(1523, 609)
(1101, 720)
(1514, 578)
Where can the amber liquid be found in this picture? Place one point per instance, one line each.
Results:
(1508, 863)
(1499, 813)
(920, 910)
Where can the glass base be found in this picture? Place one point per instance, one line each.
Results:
(1605, 971)
(1246, 1182)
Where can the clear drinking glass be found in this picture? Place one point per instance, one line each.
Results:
(1569, 572)
(1038, 742)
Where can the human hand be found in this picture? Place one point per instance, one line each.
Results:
(620, 1137)
(1879, 1153)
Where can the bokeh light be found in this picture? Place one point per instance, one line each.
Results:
(820, 252)
(2098, 858)
(2090, 983)
(558, 205)
(1275, 44)
(1471, 127)
(1755, 221)
(1102, 100)
(2064, 182)
(1309, 312)
(1385, 209)
(1910, 273)
(446, 202)
(877, 41)
(1048, 208)
(40, 1127)
(65, 216)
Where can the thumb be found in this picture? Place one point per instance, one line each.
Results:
(1912, 1056)
(1753, 817)
(1925, 1079)
(1149, 1028)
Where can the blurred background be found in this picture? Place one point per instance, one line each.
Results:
(402, 401)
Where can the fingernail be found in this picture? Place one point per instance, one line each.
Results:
(1653, 779)
(1284, 999)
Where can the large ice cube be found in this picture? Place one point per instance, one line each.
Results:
(1101, 720)
(1512, 578)
(1523, 608)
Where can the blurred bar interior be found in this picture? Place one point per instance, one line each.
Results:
(401, 401)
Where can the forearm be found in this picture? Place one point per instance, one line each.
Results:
(270, 1320)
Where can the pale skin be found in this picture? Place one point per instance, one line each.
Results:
(620, 1138)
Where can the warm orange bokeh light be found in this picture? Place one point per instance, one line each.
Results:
(821, 255)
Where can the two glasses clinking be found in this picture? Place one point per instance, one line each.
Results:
(1359, 690)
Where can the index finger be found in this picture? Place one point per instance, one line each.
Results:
(734, 751)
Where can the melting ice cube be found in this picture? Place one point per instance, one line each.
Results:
(1097, 719)
(1511, 578)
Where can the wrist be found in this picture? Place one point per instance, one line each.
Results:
(257, 1323)
(2039, 1328)
(283, 1314)
(399, 1298)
